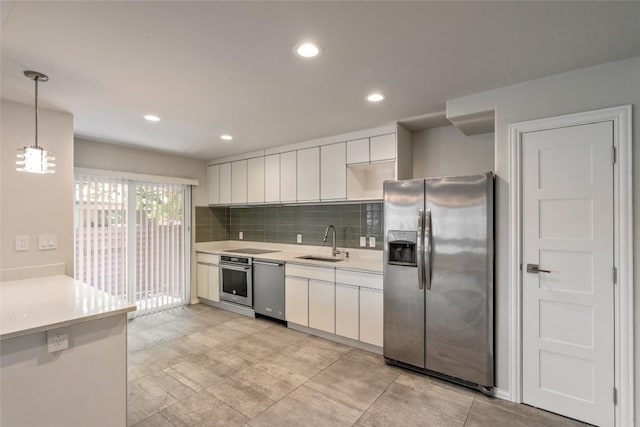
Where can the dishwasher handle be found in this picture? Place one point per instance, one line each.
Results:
(271, 264)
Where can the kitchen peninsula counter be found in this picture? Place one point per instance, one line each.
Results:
(83, 384)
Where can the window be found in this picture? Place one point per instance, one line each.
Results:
(132, 239)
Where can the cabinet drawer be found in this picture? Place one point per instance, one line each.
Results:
(207, 258)
(317, 273)
(359, 278)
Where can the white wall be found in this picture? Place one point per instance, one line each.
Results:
(607, 85)
(446, 151)
(100, 155)
(33, 204)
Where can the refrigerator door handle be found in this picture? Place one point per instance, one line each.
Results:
(420, 249)
(427, 248)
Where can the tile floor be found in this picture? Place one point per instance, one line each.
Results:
(201, 366)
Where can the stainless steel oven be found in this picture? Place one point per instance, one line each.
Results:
(236, 280)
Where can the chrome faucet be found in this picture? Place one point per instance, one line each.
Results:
(326, 234)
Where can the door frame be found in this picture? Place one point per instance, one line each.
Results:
(623, 250)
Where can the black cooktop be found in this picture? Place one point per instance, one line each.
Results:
(251, 251)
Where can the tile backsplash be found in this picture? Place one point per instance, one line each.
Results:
(282, 224)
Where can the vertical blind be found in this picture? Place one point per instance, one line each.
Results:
(131, 240)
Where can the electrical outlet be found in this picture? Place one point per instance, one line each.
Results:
(372, 242)
(47, 242)
(363, 242)
(299, 238)
(57, 339)
(240, 235)
(22, 243)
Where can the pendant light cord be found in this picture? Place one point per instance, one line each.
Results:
(36, 80)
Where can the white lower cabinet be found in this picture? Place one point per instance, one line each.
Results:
(347, 311)
(371, 316)
(296, 300)
(208, 277)
(322, 305)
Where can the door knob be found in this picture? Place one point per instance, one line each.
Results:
(535, 268)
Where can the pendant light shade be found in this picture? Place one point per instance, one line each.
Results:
(35, 159)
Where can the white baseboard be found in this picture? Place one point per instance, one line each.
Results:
(501, 393)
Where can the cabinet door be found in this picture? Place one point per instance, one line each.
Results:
(272, 178)
(296, 300)
(333, 172)
(255, 180)
(239, 182)
(371, 319)
(213, 283)
(358, 151)
(225, 184)
(347, 311)
(213, 184)
(322, 305)
(383, 147)
(308, 176)
(202, 279)
(288, 166)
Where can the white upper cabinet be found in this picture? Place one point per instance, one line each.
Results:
(213, 184)
(358, 151)
(382, 147)
(288, 163)
(225, 184)
(272, 178)
(308, 176)
(239, 182)
(255, 180)
(333, 172)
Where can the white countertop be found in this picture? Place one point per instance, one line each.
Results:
(359, 259)
(35, 305)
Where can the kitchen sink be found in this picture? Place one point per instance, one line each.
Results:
(319, 258)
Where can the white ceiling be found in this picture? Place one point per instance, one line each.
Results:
(209, 68)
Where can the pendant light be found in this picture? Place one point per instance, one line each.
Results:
(35, 159)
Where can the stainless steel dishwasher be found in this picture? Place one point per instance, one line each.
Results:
(268, 288)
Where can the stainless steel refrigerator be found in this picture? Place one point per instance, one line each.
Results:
(438, 277)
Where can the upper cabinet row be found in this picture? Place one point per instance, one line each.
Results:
(349, 170)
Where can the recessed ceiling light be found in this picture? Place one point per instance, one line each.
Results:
(226, 137)
(375, 97)
(307, 50)
(152, 118)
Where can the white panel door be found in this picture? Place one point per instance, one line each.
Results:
(272, 178)
(347, 311)
(371, 316)
(308, 177)
(213, 283)
(333, 172)
(322, 305)
(202, 280)
(568, 318)
(239, 182)
(255, 180)
(296, 300)
(213, 184)
(225, 184)
(288, 173)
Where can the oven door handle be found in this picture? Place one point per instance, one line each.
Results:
(233, 267)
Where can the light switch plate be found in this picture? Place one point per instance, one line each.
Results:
(57, 339)
(363, 242)
(47, 242)
(372, 242)
(240, 235)
(22, 243)
(299, 238)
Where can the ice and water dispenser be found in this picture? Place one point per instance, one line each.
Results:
(402, 248)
